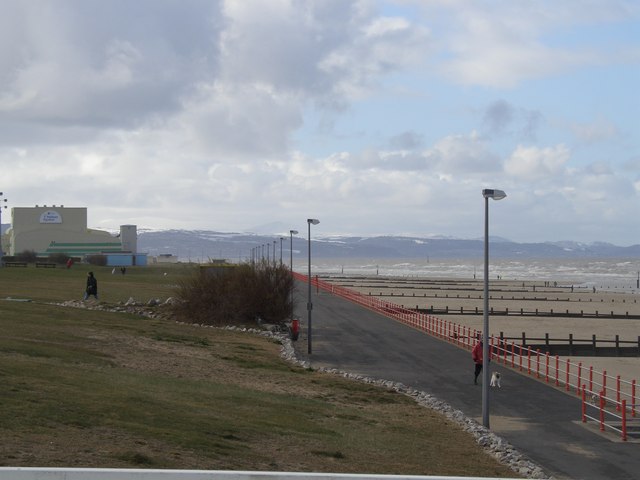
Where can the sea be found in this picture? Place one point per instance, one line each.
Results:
(614, 274)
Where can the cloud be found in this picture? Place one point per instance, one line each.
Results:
(89, 66)
(506, 43)
(407, 140)
(462, 154)
(597, 131)
(500, 119)
(331, 51)
(498, 116)
(533, 163)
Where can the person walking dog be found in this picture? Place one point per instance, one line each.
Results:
(92, 286)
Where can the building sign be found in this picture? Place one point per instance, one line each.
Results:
(50, 216)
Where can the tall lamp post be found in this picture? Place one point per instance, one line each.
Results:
(274, 253)
(495, 195)
(281, 239)
(2, 205)
(310, 221)
(291, 234)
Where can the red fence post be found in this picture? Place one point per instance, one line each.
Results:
(602, 411)
(618, 392)
(513, 354)
(584, 405)
(529, 360)
(591, 378)
(491, 346)
(546, 372)
(520, 360)
(633, 398)
(624, 420)
(604, 383)
(557, 370)
(579, 377)
(537, 363)
(504, 348)
(567, 382)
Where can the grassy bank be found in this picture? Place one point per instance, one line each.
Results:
(99, 389)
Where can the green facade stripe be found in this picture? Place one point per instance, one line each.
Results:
(90, 245)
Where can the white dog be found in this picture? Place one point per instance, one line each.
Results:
(495, 380)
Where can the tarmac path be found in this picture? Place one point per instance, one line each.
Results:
(542, 422)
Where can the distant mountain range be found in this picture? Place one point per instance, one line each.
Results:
(199, 245)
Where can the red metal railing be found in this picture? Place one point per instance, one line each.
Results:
(616, 407)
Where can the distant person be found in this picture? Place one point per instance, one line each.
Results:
(476, 355)
(69, 263)
(123, 270)
(92, 286)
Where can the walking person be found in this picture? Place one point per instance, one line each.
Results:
(476, 355)
(92, 286)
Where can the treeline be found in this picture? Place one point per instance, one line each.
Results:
(236, 295)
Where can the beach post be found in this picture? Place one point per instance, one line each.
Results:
(495, 195)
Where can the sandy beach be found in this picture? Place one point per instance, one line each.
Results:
(605, 313)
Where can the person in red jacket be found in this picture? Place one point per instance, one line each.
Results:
(476, 355)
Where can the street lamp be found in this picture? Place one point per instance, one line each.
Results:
(291, 234)
(281, 239)
(495, 195)
(2, 205)
(310, 221)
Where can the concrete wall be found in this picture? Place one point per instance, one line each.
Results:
(129, 238)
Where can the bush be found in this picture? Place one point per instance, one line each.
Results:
(99, 260)
(60, 258)
(237, 296)
(28, 256)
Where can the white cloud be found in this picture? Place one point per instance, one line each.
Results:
(533, 163)
(597, 131)
(505, 43)
(462, 154)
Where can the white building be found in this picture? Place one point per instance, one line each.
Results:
(59, 229)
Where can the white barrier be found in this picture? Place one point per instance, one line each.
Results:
(26, 473)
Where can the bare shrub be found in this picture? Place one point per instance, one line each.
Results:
(59, 257)
(29, 256)
(99, 260)
(238, 296)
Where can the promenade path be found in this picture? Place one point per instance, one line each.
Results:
(541, 421)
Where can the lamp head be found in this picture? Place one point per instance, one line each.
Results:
(493, 193)
(313, 221)
(293, 232)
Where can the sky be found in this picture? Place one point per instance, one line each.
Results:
(375, 117)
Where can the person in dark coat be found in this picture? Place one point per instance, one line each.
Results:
(92, 286)
(476, 355)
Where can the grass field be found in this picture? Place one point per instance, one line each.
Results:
(89, 388)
